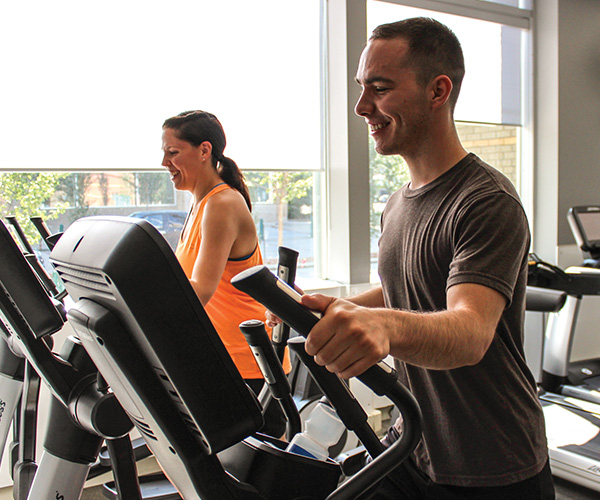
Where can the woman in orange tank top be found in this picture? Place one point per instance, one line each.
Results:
(219, 237)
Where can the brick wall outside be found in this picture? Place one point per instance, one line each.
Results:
(495, 144)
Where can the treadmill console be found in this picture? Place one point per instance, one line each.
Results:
(585, 225)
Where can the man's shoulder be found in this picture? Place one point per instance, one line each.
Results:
(486, 176)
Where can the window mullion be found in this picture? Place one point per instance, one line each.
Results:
(476, 9)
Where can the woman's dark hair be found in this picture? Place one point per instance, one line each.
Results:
(433, 50)
(197, 127)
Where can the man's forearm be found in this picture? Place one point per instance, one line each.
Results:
(351, 337)
(370, 298)
(441, 340)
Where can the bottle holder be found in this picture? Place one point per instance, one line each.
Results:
(262, 461)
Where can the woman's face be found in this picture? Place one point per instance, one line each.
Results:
(182, 160)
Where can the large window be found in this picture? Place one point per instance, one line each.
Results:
(492, 108)
(92, 83)
(283, 207)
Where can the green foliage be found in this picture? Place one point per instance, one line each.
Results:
(281, 187)
(72, 191)
(24, 194)
(151, 188)
(387, 174)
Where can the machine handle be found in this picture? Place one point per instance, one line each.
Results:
(280, 298)
(288, 261)
(264, 354)
(286, 270)
(263, 286)
(272, 370)
(19, 230)
(49, 239)
(349, 410)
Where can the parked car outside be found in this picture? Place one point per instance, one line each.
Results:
(168, 222)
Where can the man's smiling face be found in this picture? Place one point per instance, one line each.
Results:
(392, 101)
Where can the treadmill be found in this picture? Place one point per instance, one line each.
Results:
(570, 391)
(580, 379)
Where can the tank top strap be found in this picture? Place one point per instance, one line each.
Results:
(222, 186)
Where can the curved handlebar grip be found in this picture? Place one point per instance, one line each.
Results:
(263, 286)
(280, 298)
(286, 271)
(288, 260)
(260, 344)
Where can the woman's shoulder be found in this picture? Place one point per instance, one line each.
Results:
(225, 196)
(227, 215)
(226, 204)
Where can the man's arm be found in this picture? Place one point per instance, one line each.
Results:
(371, 298)
(350, 338)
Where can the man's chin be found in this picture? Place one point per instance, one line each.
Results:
(385, 151)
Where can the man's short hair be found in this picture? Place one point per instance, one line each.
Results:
(433, 50)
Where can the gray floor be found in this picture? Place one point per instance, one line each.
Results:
(568, 491)
(564, 491)
(93, 494)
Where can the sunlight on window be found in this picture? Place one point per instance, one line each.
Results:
(489, 109)
(90, 84)
(481, 92)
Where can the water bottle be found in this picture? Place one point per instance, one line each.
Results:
(323, 428)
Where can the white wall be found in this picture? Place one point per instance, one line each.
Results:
(567, 150)
(567, 112)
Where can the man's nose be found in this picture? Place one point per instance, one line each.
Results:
(363, 105)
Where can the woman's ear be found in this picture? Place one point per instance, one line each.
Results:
(205, 149)
(441, 88)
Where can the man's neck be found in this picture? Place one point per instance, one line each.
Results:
(434, 158)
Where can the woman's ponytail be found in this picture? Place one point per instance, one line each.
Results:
(233, 176)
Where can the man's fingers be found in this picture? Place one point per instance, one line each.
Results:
(317, 302)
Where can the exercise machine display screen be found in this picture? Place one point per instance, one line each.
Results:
(590, 223)
(585, 225)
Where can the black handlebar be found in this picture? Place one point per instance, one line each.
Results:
(263, 286)
(286, 270)
(272, 370)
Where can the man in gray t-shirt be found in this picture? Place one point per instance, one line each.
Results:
(453, 274)
(467, 226)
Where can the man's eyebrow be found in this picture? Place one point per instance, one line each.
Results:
(374, 79)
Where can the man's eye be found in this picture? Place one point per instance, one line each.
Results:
(379, 90)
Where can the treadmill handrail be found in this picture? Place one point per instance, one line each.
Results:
(539, 299)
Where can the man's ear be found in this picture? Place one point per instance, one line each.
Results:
(441, 87)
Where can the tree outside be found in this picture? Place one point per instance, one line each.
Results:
(72, 191)
(388, 174)
(282, 189)
(150, 188)
(25, 195)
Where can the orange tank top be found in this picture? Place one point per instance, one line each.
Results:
(228, 307)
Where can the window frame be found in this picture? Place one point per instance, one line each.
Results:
(348, 159)
(342, 187)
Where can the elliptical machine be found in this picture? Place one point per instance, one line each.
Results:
(152, 341)
(80, 417)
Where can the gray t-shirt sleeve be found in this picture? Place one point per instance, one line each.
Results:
(489, 243)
